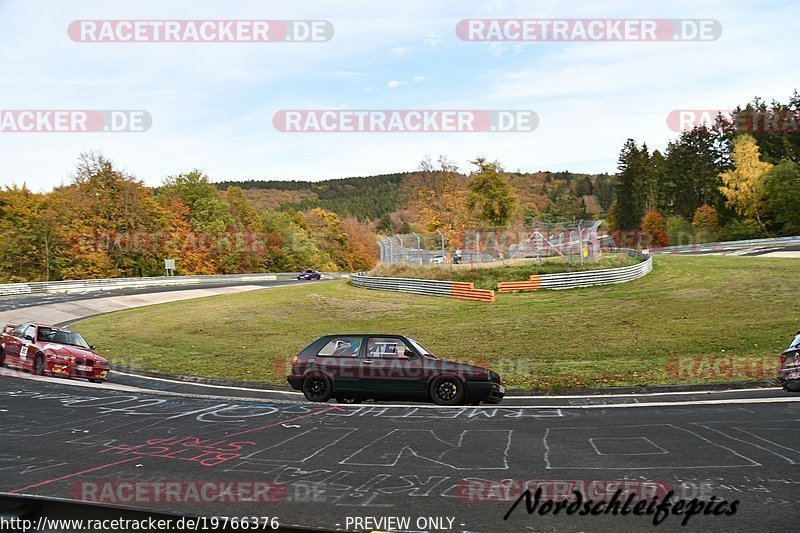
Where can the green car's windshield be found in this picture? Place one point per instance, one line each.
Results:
(57, 336)
(796, 342)
(420, 348)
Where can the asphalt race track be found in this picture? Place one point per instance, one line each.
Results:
(318, 464)
(334, 461)
(8, 303)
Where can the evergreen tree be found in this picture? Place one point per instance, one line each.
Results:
(775, 128)
(782, 188)
(584, 187)
(691, 174)
(656, 177)
(630, 170)
(604, 191)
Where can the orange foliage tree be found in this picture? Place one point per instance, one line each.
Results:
(654, 229)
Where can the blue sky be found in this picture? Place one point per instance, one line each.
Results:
(212, 103)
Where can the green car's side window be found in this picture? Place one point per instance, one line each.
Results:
(341, 347)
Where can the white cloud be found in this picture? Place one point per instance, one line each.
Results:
(433, 39)
(418, 79)
(401, 51)
(212, 105)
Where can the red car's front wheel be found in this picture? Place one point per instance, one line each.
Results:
(38, 365)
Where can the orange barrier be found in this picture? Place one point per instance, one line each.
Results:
(533, 284)
(467, 291)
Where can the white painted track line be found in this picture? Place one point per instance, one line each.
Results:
(126, 388)
(508, 398)
(226, 387)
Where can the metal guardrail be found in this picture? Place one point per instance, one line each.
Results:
(588, 278)
(776, 241)
(566, 280)
(427, 287)
(90, 285)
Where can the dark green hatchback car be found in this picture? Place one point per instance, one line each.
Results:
(352, 368)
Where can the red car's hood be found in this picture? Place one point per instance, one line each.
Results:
(74, 351)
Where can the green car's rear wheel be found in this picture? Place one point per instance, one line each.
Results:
(317, 389)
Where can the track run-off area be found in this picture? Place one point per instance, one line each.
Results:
(457, 469)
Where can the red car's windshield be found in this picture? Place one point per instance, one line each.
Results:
(58, 336)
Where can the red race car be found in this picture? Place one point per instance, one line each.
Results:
(49, 350)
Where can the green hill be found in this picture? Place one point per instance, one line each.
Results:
(372, 197)
(365, 198)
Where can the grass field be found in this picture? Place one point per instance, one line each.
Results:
(693, 319)
(487, 277)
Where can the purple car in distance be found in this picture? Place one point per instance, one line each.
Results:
(310, 274)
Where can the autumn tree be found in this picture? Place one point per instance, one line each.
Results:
(208, 217)
(107, 223)
(288, 245)
(362, 248)
(437, 193)
(242, 212)
(325, 231)
(24, 235)
(208, 211)
(244, 245)
(491, 196)
(654, 229)
(744, 185)
(706, 223)
(706, 217)
(179, 242)
(106, 218)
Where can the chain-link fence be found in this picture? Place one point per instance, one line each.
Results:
(573, 241)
